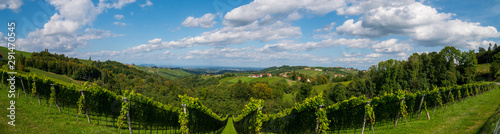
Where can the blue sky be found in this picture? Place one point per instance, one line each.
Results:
(243, 33)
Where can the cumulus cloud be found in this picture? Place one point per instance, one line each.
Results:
(259, 9)
(226, 36)
(248, 54)
(120, 24)
(358, 7)
(119, 16)
(351, 55)
(147, 4)
(392, 46)
(119, 4)
(2, 39)
(166, 52)
(373, 55)
(422, 23)
(13, 5)
(205, 21)
(326, 28)
(292, 46)
(62, 32)
(61, 42)
(354, 59)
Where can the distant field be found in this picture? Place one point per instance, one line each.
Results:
(57, 77)
(88, 62)
(5, 51)
(310, 72)
(319, 89)
(483, 69)
(345, 83)
(168, 73)
(269, 80)
(287, 97)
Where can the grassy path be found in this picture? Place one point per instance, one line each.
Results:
(467, 117)
(229, 127)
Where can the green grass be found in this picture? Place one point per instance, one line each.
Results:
(229, 129)
(227, 79)
(467, 117)
(288, 97)
(168, 73)
(57, 77)
(319, 89)
(32, 118)
(345, 83)
(489, 126)
(269, 80)
(483, 69)
(5, 51)
(310, 72)
(88, 62)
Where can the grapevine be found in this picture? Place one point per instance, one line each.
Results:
(52, 95)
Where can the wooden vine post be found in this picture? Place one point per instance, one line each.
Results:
(24, 89)
(37, 95)
(397, 116)
(128, 116)
(57, 102)
(449, 94)
(435, 105)
(364, 121)
(50, 104)
(185, 112)
(317, 120)
(86, 109)
(420, 107)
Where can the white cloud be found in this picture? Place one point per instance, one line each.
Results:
(147, 4)
(166, 52)
(120, 24)
(119, 4)
(392, 46)
(61, 42)
(373, 55)
(13, 5)
(292, 46)
(259, 9)
(356, 29)
(154, 41)
(354, 59)
(226, 36)
(206, 21)
(423, 24)
(246, 54)
(119, 16)
(484, 43)
(2, 39)
(61, 33)
(294, 16)
(326, 28)
(358, 7)
(351, 55)
(454, 32)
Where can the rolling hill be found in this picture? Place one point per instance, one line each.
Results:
(170, 73)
